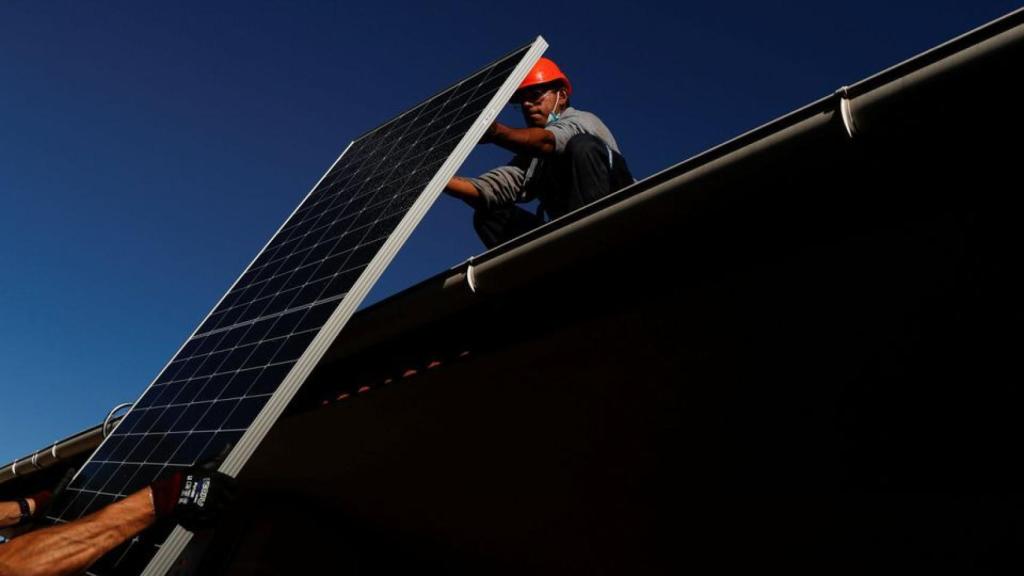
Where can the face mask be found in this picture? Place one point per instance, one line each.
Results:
(553, 116)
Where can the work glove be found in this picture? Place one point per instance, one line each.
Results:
(194, 497)
(44, 499)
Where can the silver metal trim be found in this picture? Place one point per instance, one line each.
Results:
(179, 538)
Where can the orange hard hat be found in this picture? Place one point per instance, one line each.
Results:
(545, 71)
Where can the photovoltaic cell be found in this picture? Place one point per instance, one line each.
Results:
(254, 348)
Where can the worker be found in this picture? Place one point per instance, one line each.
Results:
(192, 497)
(565, 158)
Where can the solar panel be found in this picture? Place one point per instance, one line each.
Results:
(237, 372)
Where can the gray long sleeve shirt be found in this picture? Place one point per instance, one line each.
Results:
(524, 178)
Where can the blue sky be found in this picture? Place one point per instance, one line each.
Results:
(148, 152)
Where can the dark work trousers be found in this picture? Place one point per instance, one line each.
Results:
(586, 170)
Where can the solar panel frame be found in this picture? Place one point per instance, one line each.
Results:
(275, 402)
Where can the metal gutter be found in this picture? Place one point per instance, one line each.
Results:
(80, 443)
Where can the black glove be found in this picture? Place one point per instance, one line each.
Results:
(196, 496)
(45, 498)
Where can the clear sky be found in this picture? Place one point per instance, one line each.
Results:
(148, 150)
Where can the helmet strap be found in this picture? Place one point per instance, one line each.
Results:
(555, 114)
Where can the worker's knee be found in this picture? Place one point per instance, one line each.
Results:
(583, 146)
(502, 223)
(485, 219)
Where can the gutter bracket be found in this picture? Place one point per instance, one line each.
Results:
(471, 276)
(846, 111)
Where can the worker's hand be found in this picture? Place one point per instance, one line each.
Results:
(194, 497)
(44, 499)
(489, 134)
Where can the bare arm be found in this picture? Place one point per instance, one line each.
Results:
(528, 141)
(73, 547)
(10, 512)
(464, 190)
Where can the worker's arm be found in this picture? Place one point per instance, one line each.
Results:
(193, 497)
(37, 504)
(73, 547)
(527, 141)
(10, 512)
(501, 186)
(464, 190)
